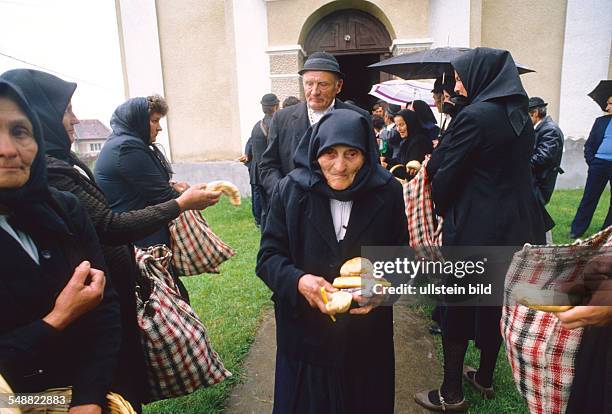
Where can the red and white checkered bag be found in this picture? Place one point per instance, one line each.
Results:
(196, 249)
(542, 353)
(425, 234)
(179, 356)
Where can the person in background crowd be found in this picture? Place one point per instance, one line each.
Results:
(247, 160)
(486, 164)
(259, 136)
(290, 101)
(379, 125)
(322, 81)
(51, 101)
(414, 144)
(133, 173)
(390, 134)
(598, 156)
(426, 119)
(546, 158)
(337, 200)
(59, 316)
(378, 109)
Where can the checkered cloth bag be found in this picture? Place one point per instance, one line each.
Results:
(179, 356)
(541, 352)
(196, 249)
(424, 228)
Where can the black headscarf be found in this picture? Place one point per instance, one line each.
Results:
(412, 121)
(491, 74)
(49, 97)
(339, 127)
(132, 118)
(423, 112)
(31, 206)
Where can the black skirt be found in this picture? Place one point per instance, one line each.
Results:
(592, 387)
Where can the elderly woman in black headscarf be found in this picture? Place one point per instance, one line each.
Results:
(59, 317)
(337, 200)
(483, 189)
(414, 142)
(51, 101)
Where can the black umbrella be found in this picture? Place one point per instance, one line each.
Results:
(426, 64)
(601, 93)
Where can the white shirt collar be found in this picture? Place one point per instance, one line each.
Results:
(315, 116)
(537, 123)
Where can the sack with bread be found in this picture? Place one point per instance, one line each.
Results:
(541, 352)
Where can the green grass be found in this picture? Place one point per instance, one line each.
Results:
(230, 305)
(562, 208)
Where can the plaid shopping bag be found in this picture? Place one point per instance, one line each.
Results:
(424, 228)
(542, 353)
(196, 249)
(179, 356)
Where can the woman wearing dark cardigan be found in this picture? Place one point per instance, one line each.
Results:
(55, 330)
(337, 200)
(51, 97)
(483, 190)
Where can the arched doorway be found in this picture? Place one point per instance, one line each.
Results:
(357, 39)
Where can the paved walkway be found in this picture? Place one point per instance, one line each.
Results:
(416, 366)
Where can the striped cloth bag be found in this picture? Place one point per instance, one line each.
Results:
(178, 353)
(424, 227)
(541, 352)
(196, 249)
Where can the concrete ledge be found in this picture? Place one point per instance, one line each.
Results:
(202, 172)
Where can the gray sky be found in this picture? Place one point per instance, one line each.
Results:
(76, 40)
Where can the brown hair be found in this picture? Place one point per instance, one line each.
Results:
(157, 104)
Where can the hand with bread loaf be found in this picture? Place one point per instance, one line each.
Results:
(226, 188)
(356, 275)
(198, 197)
(310, 286)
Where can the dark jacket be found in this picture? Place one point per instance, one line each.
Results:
(483, 187)
(546, 158)
(259, 143)
(129, 171)
(288, 127)
(595, 137)
(299, 238)
(415, 147)
(33, 355)
(116, 231)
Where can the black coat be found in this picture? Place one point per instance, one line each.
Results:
(596, 137)
(259, 143)
(299, 238)
(33, 355)
(546, 158)
(288, 127)
(116, 231)
(415, 147)
(484, 187)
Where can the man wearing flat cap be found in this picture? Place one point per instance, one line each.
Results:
(258, 144)
(548, 150)
(322, 81)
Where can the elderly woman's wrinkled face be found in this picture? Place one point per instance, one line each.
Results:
(459, 88)
(154, 126)
(609, 105)
(70, 120)
(17, 145)
(402, 127)
(340, 165)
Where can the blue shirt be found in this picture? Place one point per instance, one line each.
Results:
(605, 149)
